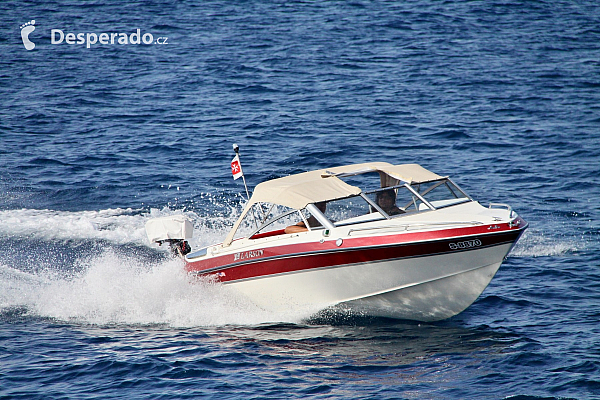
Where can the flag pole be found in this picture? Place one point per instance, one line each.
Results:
(236, 148)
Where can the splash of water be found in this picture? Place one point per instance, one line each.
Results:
(536, 244)
(118, 289)
(118, 226)
(114, 287)
(114, 225)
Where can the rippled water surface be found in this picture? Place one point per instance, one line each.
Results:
(502, 96)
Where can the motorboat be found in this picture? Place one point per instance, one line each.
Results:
(375, 239)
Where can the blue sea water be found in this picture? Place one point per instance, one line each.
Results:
(501, 95)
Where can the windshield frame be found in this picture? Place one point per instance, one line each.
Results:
(376, 208)
(284, 214)
(437, 183)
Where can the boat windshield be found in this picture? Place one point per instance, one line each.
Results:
(351, 210)
(274, 219)
(267, 219)
(441, 193)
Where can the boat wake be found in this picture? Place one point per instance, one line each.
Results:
(116, 289)
(114, 225)
(97, 267)
(118, 226)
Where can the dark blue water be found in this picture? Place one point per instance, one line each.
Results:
(501, 95)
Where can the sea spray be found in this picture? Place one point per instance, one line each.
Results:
(537, 244)
(113, 288)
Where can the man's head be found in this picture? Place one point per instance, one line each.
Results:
(386, 199)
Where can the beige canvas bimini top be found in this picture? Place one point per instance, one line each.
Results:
(297, 191)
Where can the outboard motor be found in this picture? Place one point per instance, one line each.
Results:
(173, 230)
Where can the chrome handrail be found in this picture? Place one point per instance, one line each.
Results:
(503, 205)
(416, 225)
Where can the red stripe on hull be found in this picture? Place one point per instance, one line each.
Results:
(291, 258)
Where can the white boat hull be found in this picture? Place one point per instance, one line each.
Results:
(424, 288)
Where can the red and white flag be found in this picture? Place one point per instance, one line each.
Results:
(236, 168)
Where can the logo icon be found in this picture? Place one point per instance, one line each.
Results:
(26, 29)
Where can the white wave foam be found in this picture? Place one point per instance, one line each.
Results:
(117, 288)
(119, 226)
(114, 289)
(115, 225)
(536, 244)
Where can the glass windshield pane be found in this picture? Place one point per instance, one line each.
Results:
(275, 218)
(396, 201)
(441, 193)
(250, 223)
(343, 209)
(350, 210)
